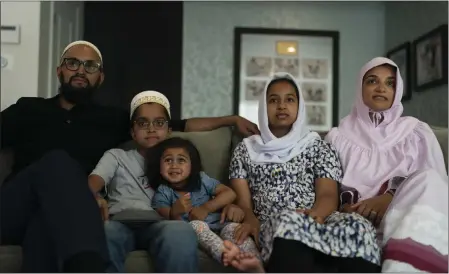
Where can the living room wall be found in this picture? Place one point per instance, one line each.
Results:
(367, 29)
(26, 73)
(208, 44)
(406, 21)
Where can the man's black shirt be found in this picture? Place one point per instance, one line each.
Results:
(34, 126)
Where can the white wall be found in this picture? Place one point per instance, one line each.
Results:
(406, 21)
(209, 34)
(21, 78)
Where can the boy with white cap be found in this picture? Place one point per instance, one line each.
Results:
(129, 194)
(134, 223)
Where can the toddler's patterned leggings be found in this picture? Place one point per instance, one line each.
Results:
(213, 243)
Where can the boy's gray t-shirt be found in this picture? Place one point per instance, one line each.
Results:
(125, 180)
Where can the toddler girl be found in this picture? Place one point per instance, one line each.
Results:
(184, 192)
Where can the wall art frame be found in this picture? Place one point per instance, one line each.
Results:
(430, 59)
(311, 56)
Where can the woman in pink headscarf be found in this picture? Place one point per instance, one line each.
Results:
(394, 173)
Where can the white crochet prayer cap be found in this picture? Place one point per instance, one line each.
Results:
(85, 43)
(150, 96)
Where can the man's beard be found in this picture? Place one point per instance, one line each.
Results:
(76, 95)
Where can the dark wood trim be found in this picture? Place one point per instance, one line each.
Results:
(335, 35)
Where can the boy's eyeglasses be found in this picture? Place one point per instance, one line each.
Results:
(157, 124)
(73, 64)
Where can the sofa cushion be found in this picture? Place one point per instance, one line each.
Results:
(140, 262)
(136, 262)
(10, 258)
(215, 149)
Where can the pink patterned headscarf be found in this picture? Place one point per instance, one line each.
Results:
(365, 132)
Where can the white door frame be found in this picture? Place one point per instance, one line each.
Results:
(52, 63)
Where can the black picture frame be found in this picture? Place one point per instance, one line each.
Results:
(334, 35)
(401, 55)
(430, 57)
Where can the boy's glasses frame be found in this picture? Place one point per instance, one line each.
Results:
(157, 124)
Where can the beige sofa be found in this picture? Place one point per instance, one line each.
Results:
(215, 148)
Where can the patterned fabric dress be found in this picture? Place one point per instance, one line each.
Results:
(277, 190)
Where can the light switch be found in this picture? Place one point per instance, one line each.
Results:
(10, 34)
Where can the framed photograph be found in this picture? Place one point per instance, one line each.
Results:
(314, 91)
(253, 89)
(316, 115)
(401, 55)
(315, 68)
(258, 66)
(290, 65)
(311, 56)
(430, 56)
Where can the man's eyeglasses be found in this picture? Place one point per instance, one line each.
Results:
(145, 124)
(73, 64)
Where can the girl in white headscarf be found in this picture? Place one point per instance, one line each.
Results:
(287, 182)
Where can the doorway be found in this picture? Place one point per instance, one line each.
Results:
(67, 26)
(141, 44)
